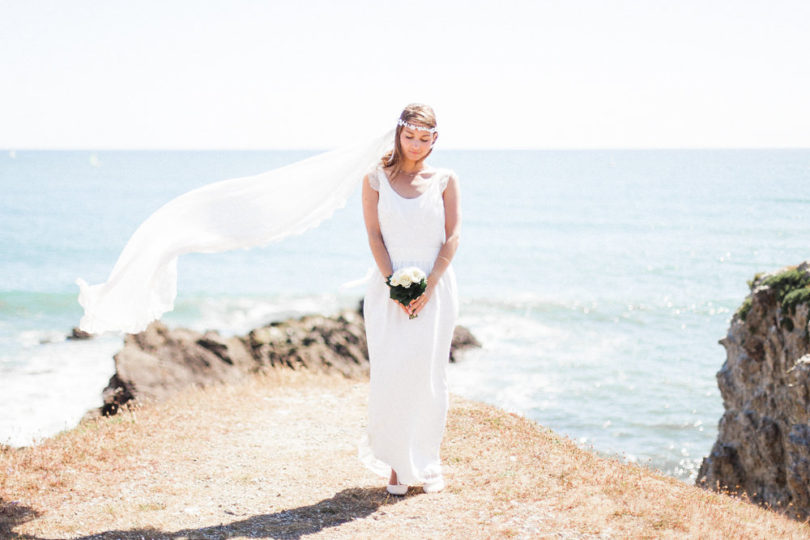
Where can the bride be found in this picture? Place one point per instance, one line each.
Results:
(413, 218)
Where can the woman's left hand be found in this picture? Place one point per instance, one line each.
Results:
(417, 304)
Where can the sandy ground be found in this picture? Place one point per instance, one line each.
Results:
(276, 458)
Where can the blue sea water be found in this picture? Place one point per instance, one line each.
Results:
(598, 281)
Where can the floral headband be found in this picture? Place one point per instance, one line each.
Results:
(403, 123)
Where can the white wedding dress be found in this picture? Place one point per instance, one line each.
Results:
(408, 399)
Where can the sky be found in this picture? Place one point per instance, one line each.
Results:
(249, 74)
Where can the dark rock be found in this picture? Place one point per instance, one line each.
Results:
(331, 344)
(158, 362)
(79, 334)
(462, 339)
(117, 393)
(763, 441)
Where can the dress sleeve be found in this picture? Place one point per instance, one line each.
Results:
(374, 179)
(446, 178)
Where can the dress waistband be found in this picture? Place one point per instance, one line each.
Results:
(410, 254)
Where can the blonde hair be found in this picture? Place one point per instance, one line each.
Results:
(415, 113)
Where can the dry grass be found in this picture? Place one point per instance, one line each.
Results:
(275, 458)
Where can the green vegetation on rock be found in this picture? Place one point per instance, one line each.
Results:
(791, 287)
(742, 312)
(796, 297)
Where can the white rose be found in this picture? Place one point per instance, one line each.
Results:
(416, 275)
(400, 279)
(404, 277)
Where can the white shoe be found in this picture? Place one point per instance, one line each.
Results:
(434, 486)
(397, 489)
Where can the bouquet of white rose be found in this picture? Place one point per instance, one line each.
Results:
(407, 284)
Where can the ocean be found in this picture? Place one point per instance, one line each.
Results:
(599, 281)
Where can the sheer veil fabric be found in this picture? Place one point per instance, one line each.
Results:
(237, 213)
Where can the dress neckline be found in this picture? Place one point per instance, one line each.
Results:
(398, 194)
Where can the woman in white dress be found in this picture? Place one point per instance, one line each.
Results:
(413, 218)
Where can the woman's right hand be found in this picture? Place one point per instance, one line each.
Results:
(406, 309)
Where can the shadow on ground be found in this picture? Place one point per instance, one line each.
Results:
(12, 513)
(345, 506)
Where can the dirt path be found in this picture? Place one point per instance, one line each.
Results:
(276, 458)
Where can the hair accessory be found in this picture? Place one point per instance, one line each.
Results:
(403, 123)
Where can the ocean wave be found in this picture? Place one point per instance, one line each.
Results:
(33, 338)
(49, 388)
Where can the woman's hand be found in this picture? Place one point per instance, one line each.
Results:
(417, 304)
(404, 308)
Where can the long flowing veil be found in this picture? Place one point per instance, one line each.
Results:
(237, 213)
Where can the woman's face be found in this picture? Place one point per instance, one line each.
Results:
(415, 143)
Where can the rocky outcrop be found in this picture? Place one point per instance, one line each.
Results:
(77, 334)
(160, 361)
(763, 443)
(462, 339)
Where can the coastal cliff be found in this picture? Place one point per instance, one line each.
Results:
(158, 362)
(763, 442)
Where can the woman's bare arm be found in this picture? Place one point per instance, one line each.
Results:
(375, 239)
(452, 233)
(452, 229)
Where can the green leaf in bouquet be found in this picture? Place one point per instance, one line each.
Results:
(405, 295)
